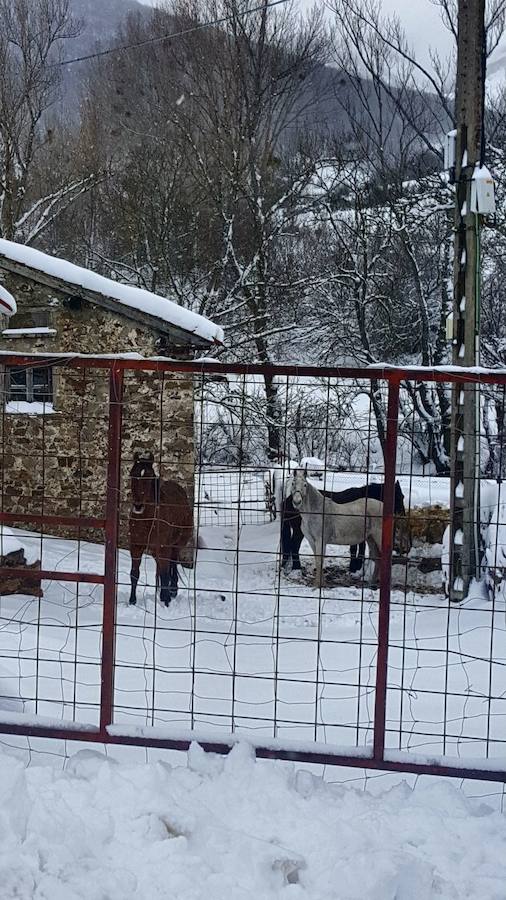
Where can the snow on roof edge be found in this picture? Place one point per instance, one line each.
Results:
(7, 303)
(136, 298)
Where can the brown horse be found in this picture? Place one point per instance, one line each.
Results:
(161, 524)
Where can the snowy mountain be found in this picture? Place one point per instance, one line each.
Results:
(100, 20)
(326, 103)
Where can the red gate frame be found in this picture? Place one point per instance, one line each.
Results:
(117, 365)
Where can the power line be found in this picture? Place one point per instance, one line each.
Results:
(167, 37)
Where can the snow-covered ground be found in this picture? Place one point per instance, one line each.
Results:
(213, 828)
(245, 649)
(232, 496)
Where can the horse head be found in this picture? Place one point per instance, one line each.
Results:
(142, 480)
(299, 487)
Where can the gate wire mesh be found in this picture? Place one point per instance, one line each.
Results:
(389, 678)
(226, 496)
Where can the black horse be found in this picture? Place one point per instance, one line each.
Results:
(291, 523)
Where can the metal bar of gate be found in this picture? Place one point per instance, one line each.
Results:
(390, 454)
(50, 575)
(111, 548)
(380, 759)
(69, 521)
(440, 374)
(75, 732)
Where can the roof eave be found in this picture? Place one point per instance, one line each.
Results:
(179, 335)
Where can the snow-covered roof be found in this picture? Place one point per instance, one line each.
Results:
(163, 313)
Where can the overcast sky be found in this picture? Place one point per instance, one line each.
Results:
(420, 18)
(422, 22)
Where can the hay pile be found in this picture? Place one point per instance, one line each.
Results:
(428, 523)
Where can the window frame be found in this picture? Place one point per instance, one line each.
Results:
(33, 317)
(26, 393)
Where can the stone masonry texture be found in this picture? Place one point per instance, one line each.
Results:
(56, 463)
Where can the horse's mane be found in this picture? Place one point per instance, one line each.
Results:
(319, 499)
(373, 489)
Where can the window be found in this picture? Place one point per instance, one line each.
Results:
(29, 323)
(31, 318)
(31, 385)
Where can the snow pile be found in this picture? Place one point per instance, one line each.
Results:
(236, 612)
(445, 562)
(314, 466)
(240, 829)
(493, 535)
(495, 549)
(28, 332)
(29, 408)
(10, 543)
(496, 538)
(134, 297)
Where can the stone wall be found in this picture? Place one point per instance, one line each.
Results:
(56, 463)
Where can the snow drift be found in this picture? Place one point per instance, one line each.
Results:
(237, 828)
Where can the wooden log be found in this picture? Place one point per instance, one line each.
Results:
(29, 586)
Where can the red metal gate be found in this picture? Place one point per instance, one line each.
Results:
(373, 750)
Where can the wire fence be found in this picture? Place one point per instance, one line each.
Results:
(226, 497)
(371, 668)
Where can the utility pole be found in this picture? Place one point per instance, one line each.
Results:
(465, 430)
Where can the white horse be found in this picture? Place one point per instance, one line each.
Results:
(325, 522)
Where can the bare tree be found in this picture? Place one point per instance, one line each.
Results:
(207, 130)
(244, 91)
(32, 36)
(421, 92)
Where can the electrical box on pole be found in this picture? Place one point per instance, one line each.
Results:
(482, 192)
(450, 153)
(473, 198)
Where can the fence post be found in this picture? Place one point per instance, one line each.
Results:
(111, 546)
(390, 455)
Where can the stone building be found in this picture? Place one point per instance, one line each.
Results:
(54, 419)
